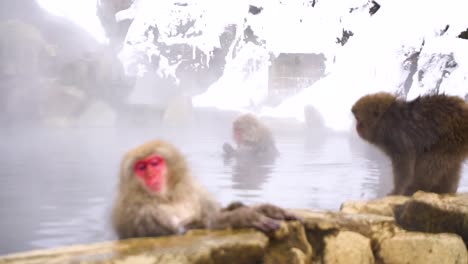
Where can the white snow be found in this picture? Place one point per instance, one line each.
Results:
(372, 60)
(456, 82)
(244, 83)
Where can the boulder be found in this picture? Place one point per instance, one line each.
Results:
(435, 213)
(323, 230)
(383, 206)
(368, 225)
(420, 248)
(289, 245)
(320, 237)
(347, 247)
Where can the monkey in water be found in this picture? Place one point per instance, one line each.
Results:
(253, 138)
(158, 196)
(426, 138)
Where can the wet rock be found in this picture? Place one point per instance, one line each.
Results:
(320, 237)
(239, 246)
(99, 73)
(383, 206)
(322, 226)
(463, 34)
(25, 53)
(419, 248)
(365, 224)
(289, 245)
(434, 213)
(347, 247)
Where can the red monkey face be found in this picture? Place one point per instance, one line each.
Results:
(152, 171)
(238, 135)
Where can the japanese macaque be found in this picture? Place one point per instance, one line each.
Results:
(426, 138)
(158, 196)
(253, 138)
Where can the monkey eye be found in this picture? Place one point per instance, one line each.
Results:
(140, 166)
(154, 161)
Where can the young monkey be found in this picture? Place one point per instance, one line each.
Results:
(426, 138)
(158, 196)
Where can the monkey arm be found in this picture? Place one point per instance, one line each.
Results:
(403, 172)
(237, 215)
(233, 205)
(275, 212)
(267, 209)
(228, 150)
(243, 217)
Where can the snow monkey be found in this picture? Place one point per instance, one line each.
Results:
(426, 138)
(253, 138)
(158, 196)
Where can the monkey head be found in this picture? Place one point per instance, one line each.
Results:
(368, 111)
(154, 168)
(246, 129)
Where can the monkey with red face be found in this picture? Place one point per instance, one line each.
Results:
(253, 139)
(158, 196)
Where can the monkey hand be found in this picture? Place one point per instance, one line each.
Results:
(234, 206)
(189, 225)
(275, 212)
(262, 222)
(228, 149)
(245, 217)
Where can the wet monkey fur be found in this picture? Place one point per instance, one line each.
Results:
(158, 196)
(426, 138)
(253, 139)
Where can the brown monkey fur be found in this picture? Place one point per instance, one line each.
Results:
(181, 204)
(253, 138)
(426, 138)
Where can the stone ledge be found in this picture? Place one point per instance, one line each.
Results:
(200, 246)
(364, 232)
(383, 206)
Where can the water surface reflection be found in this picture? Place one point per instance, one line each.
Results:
(57, 185)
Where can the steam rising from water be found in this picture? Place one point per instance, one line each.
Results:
(82, 13)
(57, 183)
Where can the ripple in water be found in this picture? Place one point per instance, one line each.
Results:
(57, 186)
